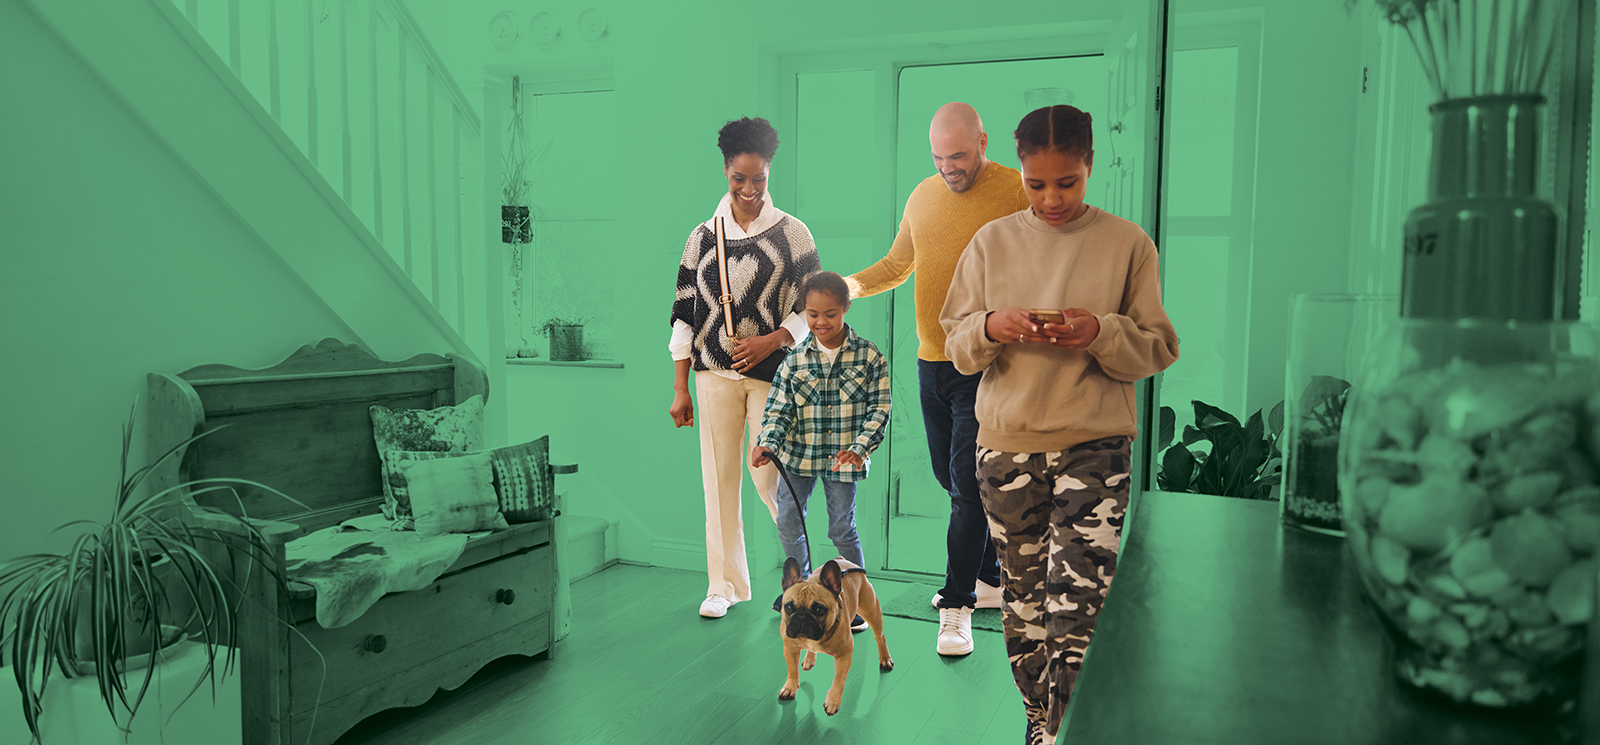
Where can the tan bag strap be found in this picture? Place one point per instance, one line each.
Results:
(722, 274)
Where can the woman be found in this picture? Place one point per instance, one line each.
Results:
(769, 254)
(1055, 408)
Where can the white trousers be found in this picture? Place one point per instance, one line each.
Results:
(725, 411)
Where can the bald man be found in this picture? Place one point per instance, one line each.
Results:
(941, 215)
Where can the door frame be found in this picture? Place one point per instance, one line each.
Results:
(886, 56)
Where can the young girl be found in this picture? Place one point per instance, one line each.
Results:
(826, 413)
(1055, 407)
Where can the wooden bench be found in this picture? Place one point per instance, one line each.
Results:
(303, 427)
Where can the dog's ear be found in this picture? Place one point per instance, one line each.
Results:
(791, 573)
(832, 578)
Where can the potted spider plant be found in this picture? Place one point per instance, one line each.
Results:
(128, 588)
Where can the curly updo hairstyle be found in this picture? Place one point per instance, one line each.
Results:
(746, 135)
(829, 282)
(1061, 127)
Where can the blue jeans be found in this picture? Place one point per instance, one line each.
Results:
(841, 497)
(948, 398)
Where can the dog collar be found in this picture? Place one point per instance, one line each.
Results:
(835, 626)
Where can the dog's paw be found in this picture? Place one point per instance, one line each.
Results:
(809, 661)
(831, 704)
(786, 693)
(886, 664)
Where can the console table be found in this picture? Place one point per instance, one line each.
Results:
(1224, 627)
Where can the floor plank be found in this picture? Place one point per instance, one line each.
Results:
(641, 665)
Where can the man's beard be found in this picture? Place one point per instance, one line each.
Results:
(960, 182)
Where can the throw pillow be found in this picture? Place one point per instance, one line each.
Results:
(446, 429)
(522, 480)
(452, 495)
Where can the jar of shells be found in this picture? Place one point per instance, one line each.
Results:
(1472, 508)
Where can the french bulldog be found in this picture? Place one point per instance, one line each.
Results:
(816, 618)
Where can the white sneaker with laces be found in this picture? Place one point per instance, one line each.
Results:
(955, 631)
(715, 606)
(988, 596)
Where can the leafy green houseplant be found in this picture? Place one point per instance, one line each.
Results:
(566, 337)
(126, 588)
(1244, 460)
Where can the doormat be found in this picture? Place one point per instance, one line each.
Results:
(914, 602)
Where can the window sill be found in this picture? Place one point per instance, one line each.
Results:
(537, 362)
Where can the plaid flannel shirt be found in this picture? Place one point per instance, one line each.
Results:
(815, 410)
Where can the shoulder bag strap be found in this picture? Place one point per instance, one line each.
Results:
(722, 274)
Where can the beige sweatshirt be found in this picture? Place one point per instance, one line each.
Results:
(1037, 398)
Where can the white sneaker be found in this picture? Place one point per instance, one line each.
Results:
(955, 631)
(715, 606)
(988, 596)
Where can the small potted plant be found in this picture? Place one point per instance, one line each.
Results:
(566, 338)
(127, 590)
(1311, 499)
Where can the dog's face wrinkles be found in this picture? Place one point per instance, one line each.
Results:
(809, 611)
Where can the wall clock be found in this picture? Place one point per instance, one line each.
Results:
(504, 30)
(594, 25)
(545, 29)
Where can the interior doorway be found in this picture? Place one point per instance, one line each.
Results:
(859, 122)
(1002, 91)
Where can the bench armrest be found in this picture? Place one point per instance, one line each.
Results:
(563, 469)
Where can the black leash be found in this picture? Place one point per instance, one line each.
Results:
(798, 510)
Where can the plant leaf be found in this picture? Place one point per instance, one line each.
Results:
(1275, 420)
(1321, 390)
(1205, 414)
(1169, 423)
(1177, 465)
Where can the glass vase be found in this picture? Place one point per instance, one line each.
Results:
(1328, 336)
(1484, 245)
(1471, 512)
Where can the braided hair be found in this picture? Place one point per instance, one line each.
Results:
(746, 135)
(1063, 128)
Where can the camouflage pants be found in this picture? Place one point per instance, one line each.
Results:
(1056, 520)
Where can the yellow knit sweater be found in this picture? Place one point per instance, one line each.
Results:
(937, 226)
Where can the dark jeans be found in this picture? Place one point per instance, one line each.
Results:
(947, 414)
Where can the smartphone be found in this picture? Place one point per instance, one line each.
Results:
(1047, 316)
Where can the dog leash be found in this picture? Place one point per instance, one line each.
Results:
(796, 495)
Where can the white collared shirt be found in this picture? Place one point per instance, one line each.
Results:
(682, 342)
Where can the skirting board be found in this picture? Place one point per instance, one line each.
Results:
(675, 553)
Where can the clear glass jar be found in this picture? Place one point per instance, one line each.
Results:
(1328, 337)
(1471, 513)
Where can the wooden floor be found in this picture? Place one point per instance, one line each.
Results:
(642, 666)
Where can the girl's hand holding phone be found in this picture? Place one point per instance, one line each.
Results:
(845, 456)
(760, 456)
(1078, 331)
(1013, 326)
